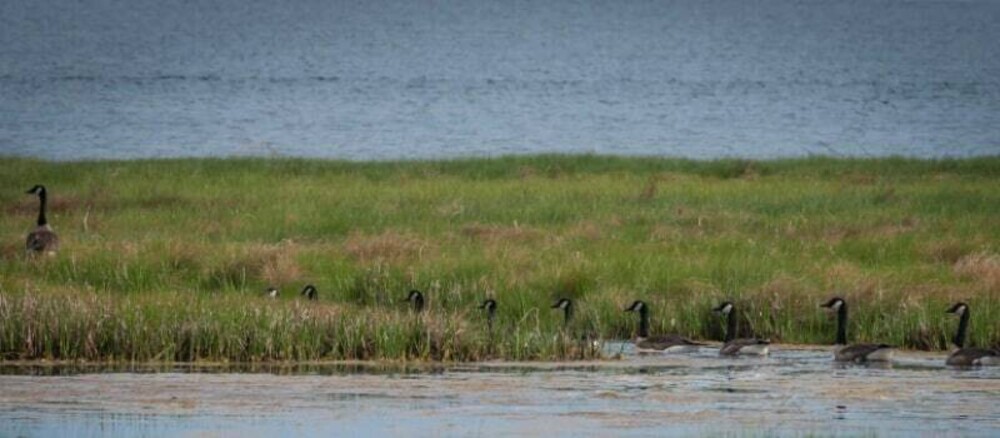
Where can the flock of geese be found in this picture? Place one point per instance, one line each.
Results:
(43, 240)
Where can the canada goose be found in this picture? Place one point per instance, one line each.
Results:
(566, 305)
(968, 356)
(417, 299)
(42, 240)
(490, 305)
(271, 292)
(856, 352)
(310, 292)
(671, 343)
(588, 338)
(735, 347)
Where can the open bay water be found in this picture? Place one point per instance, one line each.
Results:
(794, 392)
(95, 79)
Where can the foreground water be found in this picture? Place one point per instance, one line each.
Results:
(793, 392)
(403, 79)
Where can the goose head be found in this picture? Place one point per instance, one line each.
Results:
(417, 299)
(563, 303)
(958, 309)
(271, 292)
(637, 306)
(309, 292)
(36, 190)
(724, 309)
(489, 305)
(835, 304)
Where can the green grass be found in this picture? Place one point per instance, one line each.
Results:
(167, 259)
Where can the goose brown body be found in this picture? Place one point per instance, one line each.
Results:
(968, 356)
(41, 240)
(860, 353)
(668, 343)
(742, 346)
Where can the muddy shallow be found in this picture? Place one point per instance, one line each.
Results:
(794, 391)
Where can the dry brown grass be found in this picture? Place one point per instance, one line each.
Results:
(389, 246)
(96, 200)
(273, 264)
(587, 230)
(841, 275)
(947, 252)
(982, 267)
(11, 249)
(501, 233)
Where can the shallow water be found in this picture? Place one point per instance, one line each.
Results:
(405, 79)
(794, 391)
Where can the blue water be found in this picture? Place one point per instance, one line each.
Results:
(421, 79)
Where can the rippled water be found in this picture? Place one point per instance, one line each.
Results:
(793, 392)
(405, 79)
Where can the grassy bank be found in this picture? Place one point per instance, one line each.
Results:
(167, 260)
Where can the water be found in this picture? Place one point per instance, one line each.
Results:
(420, 79)
(793, 392)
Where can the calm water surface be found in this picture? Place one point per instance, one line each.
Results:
(793, 392)
(421, 79)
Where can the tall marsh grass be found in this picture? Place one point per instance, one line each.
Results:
(167, 260)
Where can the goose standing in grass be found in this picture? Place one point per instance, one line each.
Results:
(856, 352)
(670, 343)
(310, 292)
(963, 356)
(271, 292)
(490, 306)
(417, 299)
(743, 346)
(42, 240)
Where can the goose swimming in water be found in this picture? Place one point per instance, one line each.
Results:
(42, 240)
(417, 299)
(588, 338)
(670, 343)
(964, 356)
(310, 292)
(566, 305)
(856, 352)
(490, 306)
(743, 346)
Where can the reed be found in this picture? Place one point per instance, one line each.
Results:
(168, 259)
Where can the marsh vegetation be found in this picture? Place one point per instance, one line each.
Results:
(167, 260)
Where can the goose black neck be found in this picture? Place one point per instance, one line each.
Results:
(643, 322)
(963, 326)
(567, 313)
(418, 303)
(730, 325)
(842, 324)
(41, 208)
